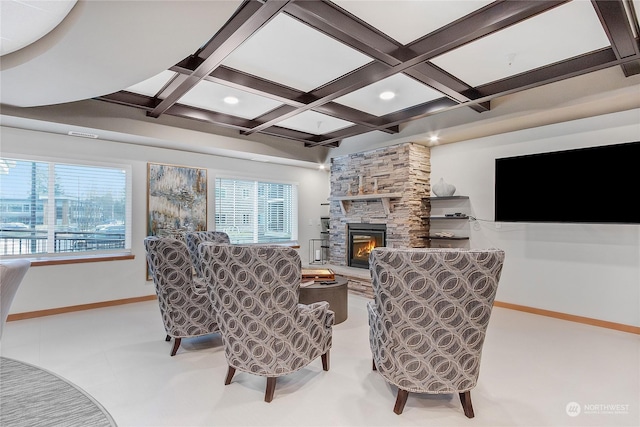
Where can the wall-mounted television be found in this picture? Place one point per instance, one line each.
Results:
(599, 185)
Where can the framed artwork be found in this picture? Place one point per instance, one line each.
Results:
(176, 200)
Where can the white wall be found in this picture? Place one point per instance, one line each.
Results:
(67, 285)
(582, 269)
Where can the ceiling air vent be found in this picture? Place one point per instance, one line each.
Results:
(83, 134)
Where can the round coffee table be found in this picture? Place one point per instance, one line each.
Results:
(334, 293)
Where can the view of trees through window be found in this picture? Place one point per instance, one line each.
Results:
(256, 212)
(55, 207)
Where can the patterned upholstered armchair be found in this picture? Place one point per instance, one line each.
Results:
(194, 238)
(186, 311)
(264, 330)
(429, 317)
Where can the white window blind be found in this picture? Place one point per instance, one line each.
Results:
(256, 212)
(53, 208)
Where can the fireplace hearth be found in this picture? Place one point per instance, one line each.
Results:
(362, 238)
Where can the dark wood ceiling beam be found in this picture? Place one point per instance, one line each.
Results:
(491, 18)
(170, 86)
(252, 84)
(418, 111)
(247, 11)
(336, 137)
(288, 96)
(351, 79)
(496, 16)
(442, 81)
(258, 86)
(222, 45)
(348, 29)
(583, 64)
(576, 66)
(130, 99)
(613, 16)
(358, 117)
(274, 114)
(393, 119)
(331, 109)
(292, 134)
(594, 61)
(208, 116)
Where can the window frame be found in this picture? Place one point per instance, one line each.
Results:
(294, 210)
(53, 258)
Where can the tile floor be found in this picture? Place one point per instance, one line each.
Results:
(532, 368)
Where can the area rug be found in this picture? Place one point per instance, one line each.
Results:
(31, 396)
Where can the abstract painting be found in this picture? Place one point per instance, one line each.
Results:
(176, 200)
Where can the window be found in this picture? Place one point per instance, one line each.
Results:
(256, 212)
(61, 208)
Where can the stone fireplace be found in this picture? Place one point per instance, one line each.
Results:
(361, 239)
(381, 189)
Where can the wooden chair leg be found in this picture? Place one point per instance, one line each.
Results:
(373, 365)
(230, 374)
(176, 344)
(325, 361)
(465, 399)
(400, 401)
(271, 387)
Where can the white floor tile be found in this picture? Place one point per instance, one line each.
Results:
(532, 367)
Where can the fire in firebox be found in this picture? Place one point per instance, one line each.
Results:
(362, 238)
(363, 249)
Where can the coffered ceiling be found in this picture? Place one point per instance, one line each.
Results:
(315, 72)
(321, 71)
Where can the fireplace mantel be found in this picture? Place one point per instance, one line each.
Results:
(383, 197)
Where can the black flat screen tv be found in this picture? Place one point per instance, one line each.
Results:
(599, 185)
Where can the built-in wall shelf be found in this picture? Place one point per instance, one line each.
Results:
(446, 217)
(446, 198)
(385, 198)
(449, 216)
(448, 238)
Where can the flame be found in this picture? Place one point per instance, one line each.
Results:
(364, 250)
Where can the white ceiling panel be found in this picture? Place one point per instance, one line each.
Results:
(314, 122)
(211, 96)
(407, 21)
(23, 22)
(572, 29)
(408, 92)
(152, 86)
(291, 53)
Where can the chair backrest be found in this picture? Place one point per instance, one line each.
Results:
(170, 266)
(435, 304)
(255, 295)
(169, 261)
(195, 238)
(11, 274)
(185, 306)
(267, 275)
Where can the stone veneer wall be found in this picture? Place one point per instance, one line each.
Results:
(403, 168)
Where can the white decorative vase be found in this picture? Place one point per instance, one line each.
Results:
(442, 189)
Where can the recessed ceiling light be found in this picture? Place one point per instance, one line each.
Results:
(387, 95)
(231, 100)
(434, 138)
